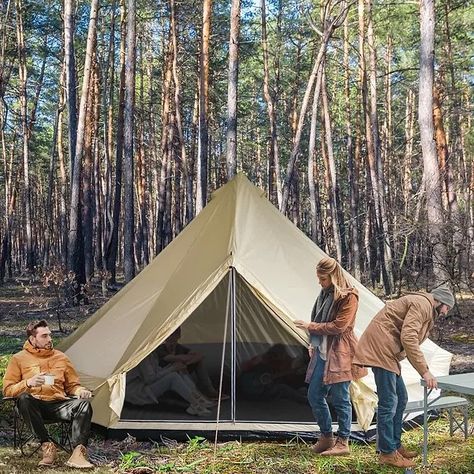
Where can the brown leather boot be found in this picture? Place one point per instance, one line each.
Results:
(326, 441)
(341, 448)
(78, 458)
(49, 454)
(407, 454)
(395, 459)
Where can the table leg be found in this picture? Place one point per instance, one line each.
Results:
(425, 426)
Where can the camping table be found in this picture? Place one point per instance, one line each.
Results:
(460, 383)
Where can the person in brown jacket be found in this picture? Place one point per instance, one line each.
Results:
(332, 346)
(43, 379)
(396, 332)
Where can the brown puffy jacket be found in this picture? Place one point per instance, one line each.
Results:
(31, 361)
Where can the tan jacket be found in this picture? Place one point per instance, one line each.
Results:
(341, 341)
(31, 361)
(396, 332)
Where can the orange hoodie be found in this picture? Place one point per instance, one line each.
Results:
(31, 361)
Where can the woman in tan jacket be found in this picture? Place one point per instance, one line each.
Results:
(332, 346)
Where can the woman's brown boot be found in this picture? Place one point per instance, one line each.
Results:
(326, 441)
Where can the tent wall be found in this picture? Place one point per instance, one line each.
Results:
(239, 228)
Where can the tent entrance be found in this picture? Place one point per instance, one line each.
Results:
(263, 370)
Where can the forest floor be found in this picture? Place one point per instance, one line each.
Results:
(23, 301)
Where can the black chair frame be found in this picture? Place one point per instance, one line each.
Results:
(58, 432)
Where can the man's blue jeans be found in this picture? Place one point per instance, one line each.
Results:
(317, 394)
(393, 399)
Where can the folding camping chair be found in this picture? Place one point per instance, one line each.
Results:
(24, 439)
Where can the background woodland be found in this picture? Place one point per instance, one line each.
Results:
(119, 118)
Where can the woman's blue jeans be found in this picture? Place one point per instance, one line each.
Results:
(341, 401)
(393, 399)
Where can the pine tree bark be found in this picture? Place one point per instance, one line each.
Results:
(108, 147)
(88, 172)
(314, 198)
(113, 238)
(428, 147)
(128, 168)
(233, 89)
(71, 82)
(330, 24)
(375, 162)
(408, 156)
(166, 141)
(274, 179)
(183, 160)
(23, 79)
(50, 229)
(353, 168)
(75, 260)
(337, 216)
(203, 134)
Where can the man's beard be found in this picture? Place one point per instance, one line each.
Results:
(438, 311)
(47, 347)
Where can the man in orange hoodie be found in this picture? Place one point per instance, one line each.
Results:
(43, 380)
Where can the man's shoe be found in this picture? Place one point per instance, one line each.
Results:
(49, 454)
(341, 448)
(78, 458)
(325, 442)
(395, 459)
(407, 454)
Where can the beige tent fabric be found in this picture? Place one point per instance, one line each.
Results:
(365, 401)
(238, 228)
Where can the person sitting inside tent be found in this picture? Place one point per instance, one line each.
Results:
(270, 376)
(171, 352)
(148, 381)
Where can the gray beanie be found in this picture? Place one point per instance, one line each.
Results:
(444, 295)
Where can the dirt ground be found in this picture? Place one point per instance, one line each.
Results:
(22, 302)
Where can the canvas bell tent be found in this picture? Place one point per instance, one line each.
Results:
(234, 281)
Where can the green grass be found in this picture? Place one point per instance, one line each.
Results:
(447, 455)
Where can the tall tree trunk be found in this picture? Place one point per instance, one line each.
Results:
(353, 169)
(63, 189)
(108, 118)
(128, 177)
(333, 190)
(22, 72)
(408, 157)
(274, 179)
(375, 162)
(5, 250)
(329, 27)
(113, 238)
(315, 216)
(430, 162)
(88, 171)
(188, 185)
(76, 238)
(49, 210)
(232, 89)
(71, 84)
(203, 136)
(166, 141)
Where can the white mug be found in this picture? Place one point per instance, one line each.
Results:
(49, 379)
